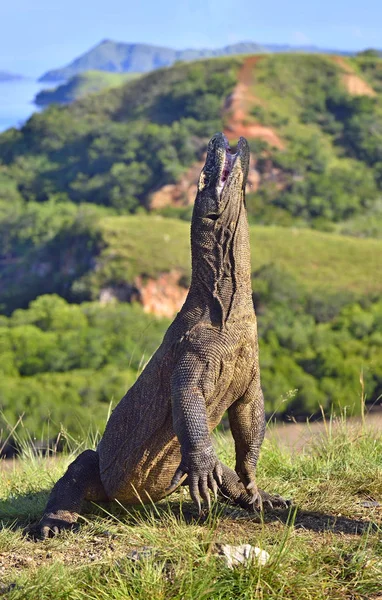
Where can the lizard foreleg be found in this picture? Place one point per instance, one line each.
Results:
(199, 460)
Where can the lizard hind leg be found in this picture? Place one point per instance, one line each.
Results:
(81, 482)
(233, 490)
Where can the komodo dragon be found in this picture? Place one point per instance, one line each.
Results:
(208, 362)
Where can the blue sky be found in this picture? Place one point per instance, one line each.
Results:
(37, 35)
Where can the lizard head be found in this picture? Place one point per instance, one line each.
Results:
(222, 182)
(221, 267)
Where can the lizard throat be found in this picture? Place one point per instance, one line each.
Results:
(229, 161)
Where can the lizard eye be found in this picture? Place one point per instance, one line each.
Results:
(212, 217)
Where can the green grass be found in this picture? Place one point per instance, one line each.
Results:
(140, 245)
(329, 547)
(320, 260)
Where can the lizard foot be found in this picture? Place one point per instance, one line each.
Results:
(261, 500)
(204, 474)
(53, 523)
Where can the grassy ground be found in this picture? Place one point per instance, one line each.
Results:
(329, 546)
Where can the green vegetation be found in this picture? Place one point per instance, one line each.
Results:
(70, 175)
(317, 348)
(330, 170)
(66, 363)
(115, 147)
(316, 295)
(369, 65)
(328, 548)
(81, 85)
(318, 261)
(76, 251)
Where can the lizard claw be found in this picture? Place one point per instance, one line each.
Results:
(204, 492)
(205, 474)
(213, 486)
(262, 499)
(194, 493)
(52, 524)
(200, 486)
(256, 500)
(175, 481)
(218, 473)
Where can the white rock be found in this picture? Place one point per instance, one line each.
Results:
(242, 555)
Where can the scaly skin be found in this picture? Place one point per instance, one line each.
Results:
(208, 362)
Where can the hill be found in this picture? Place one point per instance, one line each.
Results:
(81, 85)
(70, 178)
(314, 125)
(113, 56)
(120, 57)
(131, 246)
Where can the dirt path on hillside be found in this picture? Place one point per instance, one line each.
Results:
(238, 108)
(354, 84)
(239, 122)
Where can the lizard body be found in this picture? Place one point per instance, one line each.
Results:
(208, 363)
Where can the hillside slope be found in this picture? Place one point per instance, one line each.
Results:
(69, 177)
(314, 124)
(81, 85)
(123, 253)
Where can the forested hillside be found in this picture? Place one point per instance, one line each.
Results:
(117, 147)
(72, 177)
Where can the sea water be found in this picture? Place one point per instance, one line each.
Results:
(16, 101)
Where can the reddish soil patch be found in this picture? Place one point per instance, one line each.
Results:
(181, 193)
(354, 84)
(238, 105)
(163, 296)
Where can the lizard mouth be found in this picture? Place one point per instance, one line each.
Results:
(230, 158)
(223, 177)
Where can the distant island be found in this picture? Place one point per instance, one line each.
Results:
(81, 85)
(122, 57)
(6, 76)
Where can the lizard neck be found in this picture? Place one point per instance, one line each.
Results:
(221, 269)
